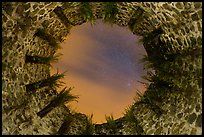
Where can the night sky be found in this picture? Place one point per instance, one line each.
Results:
(102, 63)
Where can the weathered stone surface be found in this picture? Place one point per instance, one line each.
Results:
(158, 131)
(199, 121)
(193, 131)
(192, 118)
(179, 115)
(182, 26)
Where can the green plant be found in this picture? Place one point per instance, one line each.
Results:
(132, 121)
(59, 12)
(86, 12)
(111, 124)
(110, 11)
(129, 114)
(158, 87)
(42, 60)
(42, 33)
(152, 101)
(135, 19)
(147, 62)
(63, 97)
(89, 130)
(139, 94)
(52, 82)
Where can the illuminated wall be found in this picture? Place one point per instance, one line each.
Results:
(169, 30)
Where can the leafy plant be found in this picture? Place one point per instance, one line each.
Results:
(139, 94)
(86, 12)
(42, 33)
(132, 121)
(129, 114)
(42, 60)
(111, 124)
(59, 12)
(89, 130)
(135, 19)
(147, 62)
(52, 82)
(110, 11)
(63, 97)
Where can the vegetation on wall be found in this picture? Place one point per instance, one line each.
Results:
(176, 73)
(136, 18)
(59, 12)
(178, 69)
(52, 82)
(63, 97)
(110, 11)
(132, 121)
(148, 100)
(86, 12)
(111, 124)
(42, 33)
(90, 127)
(42, 60)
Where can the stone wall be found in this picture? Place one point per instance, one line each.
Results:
(181, 23)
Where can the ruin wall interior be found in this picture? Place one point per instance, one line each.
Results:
(181, 23)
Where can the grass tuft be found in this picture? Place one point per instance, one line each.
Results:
(110, 12)
(86, 12)
(89, 130)
(111, 124)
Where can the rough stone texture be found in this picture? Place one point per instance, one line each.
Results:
(182, 26)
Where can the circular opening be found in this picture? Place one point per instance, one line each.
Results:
(103, 64)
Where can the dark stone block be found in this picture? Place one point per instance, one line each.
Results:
(199, 121)
(179, 115)
(8, 7)
(20, 10)
(26, 77)
(197, 5)
(195, 17)
(13, 75)
(198, 108)
(192, 118)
